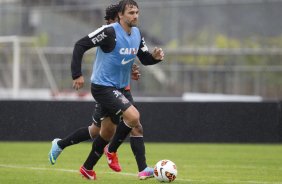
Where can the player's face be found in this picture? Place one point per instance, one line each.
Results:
(130, 16)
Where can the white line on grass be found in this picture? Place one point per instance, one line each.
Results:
(56, 169)
(231, 167)
(126, 174)
(37, 168)
(70, 170)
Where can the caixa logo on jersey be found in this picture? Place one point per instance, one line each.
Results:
(99, 38)
(128, 51)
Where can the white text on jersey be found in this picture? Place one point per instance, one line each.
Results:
(128, 51)
(99, 38)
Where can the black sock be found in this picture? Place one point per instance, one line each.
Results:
(78, 136)
(121, 133)
(138, 149)
(97, 151)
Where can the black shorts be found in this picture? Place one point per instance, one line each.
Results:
(98, 116)
(110, 102)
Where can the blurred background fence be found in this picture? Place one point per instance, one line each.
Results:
(229, 47)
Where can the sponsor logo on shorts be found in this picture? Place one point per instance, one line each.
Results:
(117, 93)
(123, 99)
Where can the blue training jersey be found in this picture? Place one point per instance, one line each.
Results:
(116, 51)
(114, 68)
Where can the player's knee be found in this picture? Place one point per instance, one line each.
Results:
(93, 130)
(137, 131)
(131, 117)
(135, 119)
(133, 122)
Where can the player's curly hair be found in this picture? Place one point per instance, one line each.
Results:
(111, 12)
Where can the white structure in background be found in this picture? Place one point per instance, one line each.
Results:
(16, 74)
(206, 97)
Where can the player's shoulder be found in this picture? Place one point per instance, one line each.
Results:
(136, 28)
(137, 31)
(106, 29)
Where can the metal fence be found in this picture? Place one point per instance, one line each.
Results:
(50, 68)
(216, 46)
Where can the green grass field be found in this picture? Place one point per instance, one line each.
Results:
(27, 162)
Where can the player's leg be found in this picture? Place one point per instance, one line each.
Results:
(136, 142)
(130, 118)
(114, 102)
(106, 132)
(138, 148)
(122, 131)
(117, 102)
(80, 135)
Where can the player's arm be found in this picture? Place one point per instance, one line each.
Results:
(80, 47)
(148, 58)
(103, 37)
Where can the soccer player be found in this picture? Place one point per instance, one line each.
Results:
(86, 133)
(117, 44)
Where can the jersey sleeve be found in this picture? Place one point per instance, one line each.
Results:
(103, 37)
(144, 55)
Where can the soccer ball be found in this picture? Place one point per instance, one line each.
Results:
(165, 171)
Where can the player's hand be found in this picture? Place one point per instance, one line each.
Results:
(78, 83)
(158, 53)
(135, 72)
